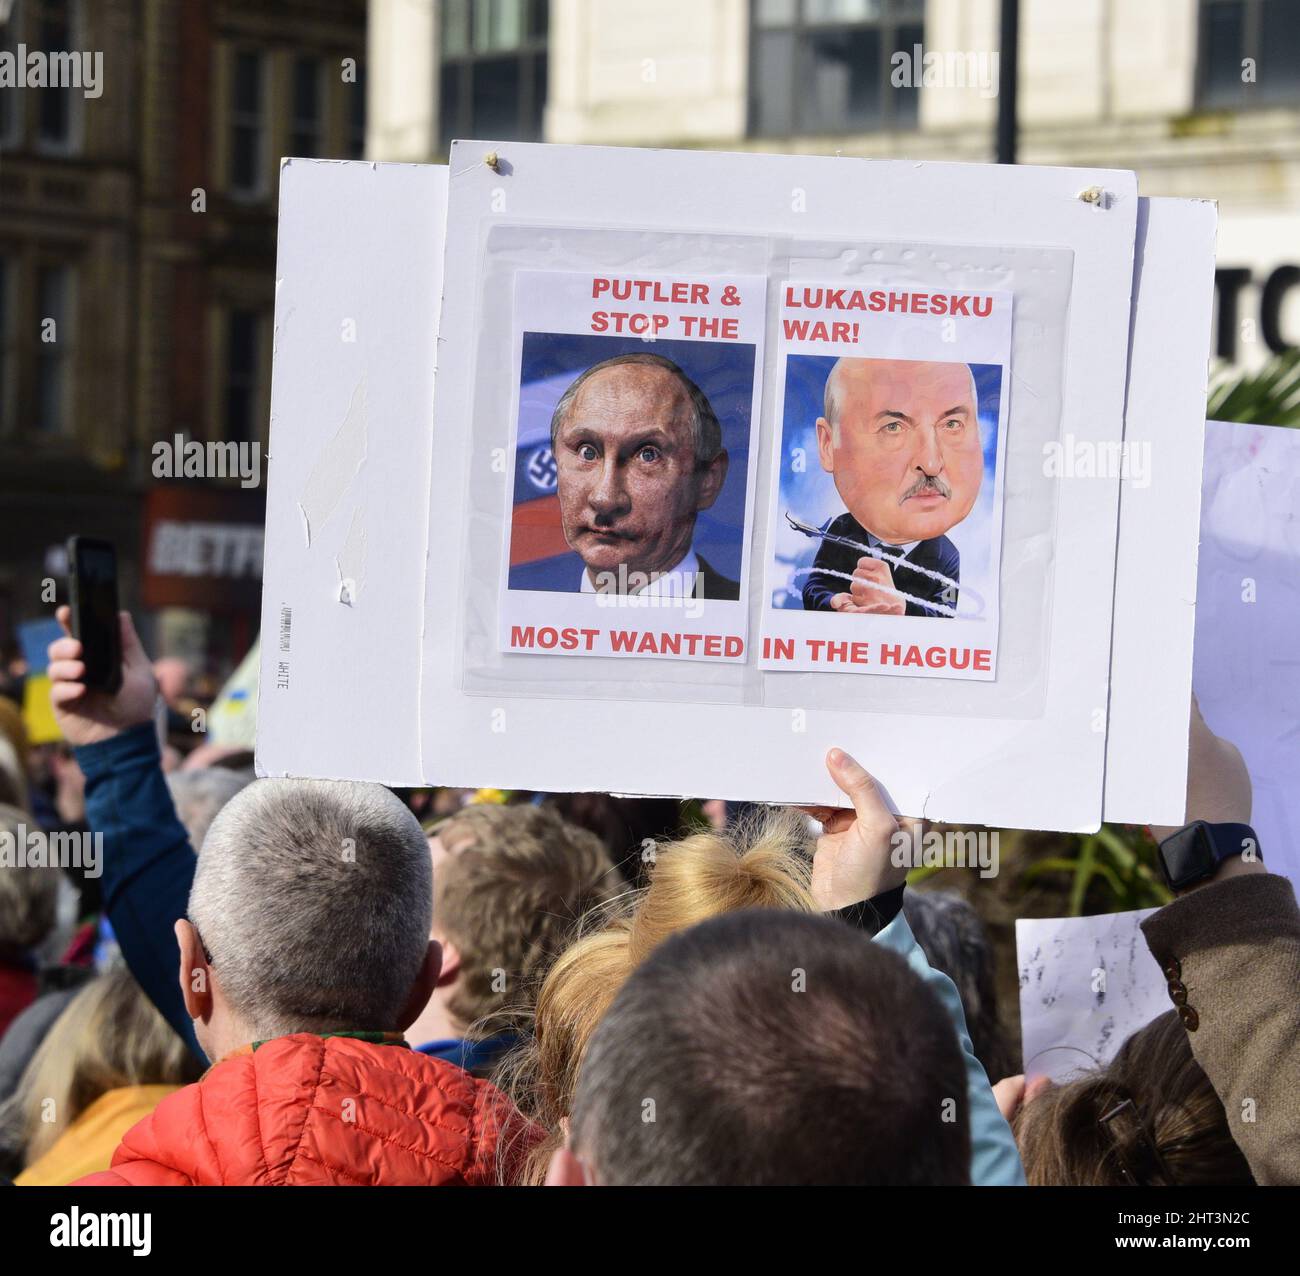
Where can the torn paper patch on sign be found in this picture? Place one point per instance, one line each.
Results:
(336, 467)
(1086, 985)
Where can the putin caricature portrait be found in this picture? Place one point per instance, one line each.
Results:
(639, 455)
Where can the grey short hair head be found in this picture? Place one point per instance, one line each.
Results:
(315, 900)
(200, 794)
(706, 431)
(28, 896)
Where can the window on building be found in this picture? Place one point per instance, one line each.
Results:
(1249, 53)
(247, 122)
(357, 115)
(10, 99)
(306, 119)
(54, 342)
(58, 109)
(823, 66)
(243, 376)
(493, 69)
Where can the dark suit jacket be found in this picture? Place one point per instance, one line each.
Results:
(938, 554)
(713, 584)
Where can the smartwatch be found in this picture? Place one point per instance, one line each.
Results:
(1195, 852)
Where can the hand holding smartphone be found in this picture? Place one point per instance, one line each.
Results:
(92, 571)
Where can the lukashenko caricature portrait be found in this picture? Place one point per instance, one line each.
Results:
(901, 439)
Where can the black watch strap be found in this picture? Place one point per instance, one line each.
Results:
(1196, 851)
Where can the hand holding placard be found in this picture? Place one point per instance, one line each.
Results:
(853, 858)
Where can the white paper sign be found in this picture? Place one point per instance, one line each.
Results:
(1022, 749)
(1159, 513)
(636, 419)
(1086, 985)
(886, 511)
(1247, 667)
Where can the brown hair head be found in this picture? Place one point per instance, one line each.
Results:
(509, 894)
(770, 1047)
(1150, 1118)
(759, 863)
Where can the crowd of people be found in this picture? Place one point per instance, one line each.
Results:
(282, 981)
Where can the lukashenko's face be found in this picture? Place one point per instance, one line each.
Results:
(906, 451)
(629, 486)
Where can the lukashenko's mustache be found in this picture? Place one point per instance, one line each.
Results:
(926, 482)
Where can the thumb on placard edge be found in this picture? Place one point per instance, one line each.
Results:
(857, 784)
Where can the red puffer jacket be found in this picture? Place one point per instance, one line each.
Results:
(323, 1110)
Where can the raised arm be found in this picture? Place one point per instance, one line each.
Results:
(147, 860)
(1229, 947)
(855, 876)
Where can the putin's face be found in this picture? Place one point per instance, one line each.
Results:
(904, 446)
(629, 483)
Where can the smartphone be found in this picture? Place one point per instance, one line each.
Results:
(92, 574)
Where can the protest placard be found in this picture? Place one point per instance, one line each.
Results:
(1021, 748)
(356, 329)
(1159, 464)
(542, 285)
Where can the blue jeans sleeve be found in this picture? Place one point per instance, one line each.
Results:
(995, 1160)
(147, 862)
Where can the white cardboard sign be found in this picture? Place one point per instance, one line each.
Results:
(975, 757)
(360, 253)
(1159, 513)
(370, 668)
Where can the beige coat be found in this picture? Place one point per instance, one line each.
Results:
(1231, 954)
